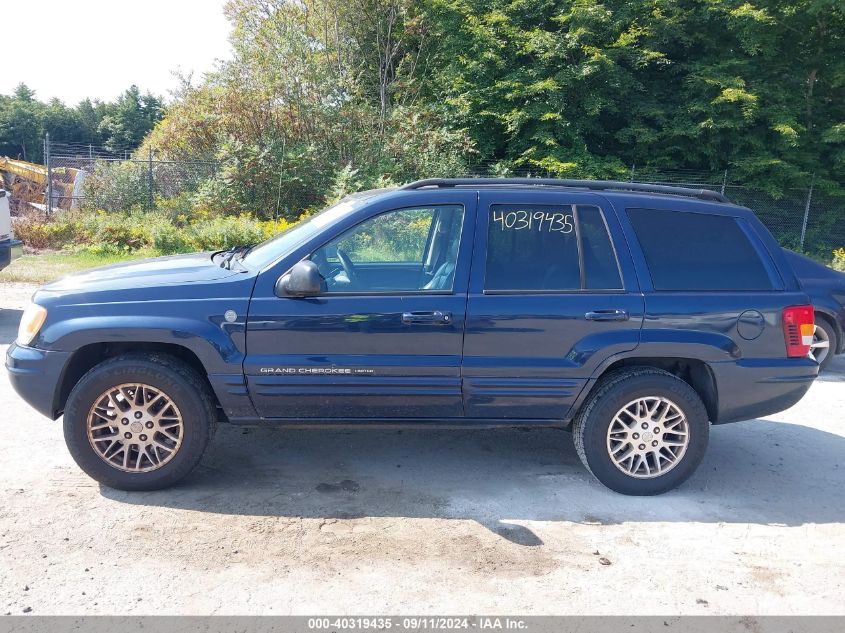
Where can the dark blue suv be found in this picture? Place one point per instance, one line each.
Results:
(634, 315)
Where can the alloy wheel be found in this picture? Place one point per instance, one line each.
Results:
(820, 347)
(135, 427)
(648, 437)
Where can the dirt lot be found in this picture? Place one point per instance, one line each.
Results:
(330, 521)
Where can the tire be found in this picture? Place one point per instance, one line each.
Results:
(825, 332)
(604, 408)
(173, 390)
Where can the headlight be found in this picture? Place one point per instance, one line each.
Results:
(31, 321)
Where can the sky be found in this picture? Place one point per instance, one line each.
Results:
(72, 49)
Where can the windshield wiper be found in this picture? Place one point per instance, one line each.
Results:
(236, 252)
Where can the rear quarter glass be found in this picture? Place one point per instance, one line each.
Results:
(699, 252)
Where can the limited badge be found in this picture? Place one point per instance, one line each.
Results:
(230, 315)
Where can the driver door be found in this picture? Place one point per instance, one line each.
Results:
(384, 338)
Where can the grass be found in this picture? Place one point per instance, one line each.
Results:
(46, 266)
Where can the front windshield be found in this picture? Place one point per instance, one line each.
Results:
(281, 244)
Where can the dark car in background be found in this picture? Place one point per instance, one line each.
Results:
(826, 289)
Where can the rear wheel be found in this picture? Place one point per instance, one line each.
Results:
(138, 422)
(824, 342)
(642, 432)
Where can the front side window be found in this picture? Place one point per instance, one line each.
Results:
(407, 250)
(549, 248)
(697, 251)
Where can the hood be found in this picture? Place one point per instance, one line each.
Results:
(144, 273)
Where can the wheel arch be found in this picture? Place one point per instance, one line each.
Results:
(89, 356)
(695, 372)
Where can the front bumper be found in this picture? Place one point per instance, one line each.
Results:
(36, 375)
(10, 250)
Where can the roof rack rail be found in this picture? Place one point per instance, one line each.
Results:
(592, 185)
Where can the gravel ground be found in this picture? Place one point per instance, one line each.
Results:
(368, 521)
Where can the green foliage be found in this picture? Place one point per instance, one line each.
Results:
(20, 125)
(395, 237)
(116, 186)
(129, 120)
(586, 88)
(839, 259)
(36, 233)
(168, 238)
(122, 124)
(313, 89)
(325, 97)
(225, 232)
(125, 232)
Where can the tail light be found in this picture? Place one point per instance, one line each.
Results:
(798, 329)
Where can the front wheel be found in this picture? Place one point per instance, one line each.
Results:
(138, 422)
(642, 432)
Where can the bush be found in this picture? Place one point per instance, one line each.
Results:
(168, 238)
(115, 233)
(176, 209)
(125, 232)
(225, 232)
(38, 233)
(114, 186)
(839, 259)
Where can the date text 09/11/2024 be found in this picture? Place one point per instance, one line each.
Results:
(424, 623)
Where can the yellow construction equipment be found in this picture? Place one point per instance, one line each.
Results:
(27, 184)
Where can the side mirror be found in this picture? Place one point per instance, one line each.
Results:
(303, 280)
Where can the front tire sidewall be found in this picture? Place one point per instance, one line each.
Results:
(595, 428)
(185, 395)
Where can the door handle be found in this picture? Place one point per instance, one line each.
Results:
(437, 317)
(606, 315)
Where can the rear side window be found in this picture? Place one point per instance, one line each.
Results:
(549, 248)
(696, 251)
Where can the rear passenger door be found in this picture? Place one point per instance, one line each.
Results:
(552, 294)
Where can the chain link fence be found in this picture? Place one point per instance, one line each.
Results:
(86, 176)
(116, 179)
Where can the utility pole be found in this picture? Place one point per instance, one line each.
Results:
(150, 181)
(807, 210)
(49, 190)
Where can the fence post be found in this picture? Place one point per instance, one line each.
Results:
(633, 166)
(724, 181)
(807, 210)
(49, 189)
(150, 182)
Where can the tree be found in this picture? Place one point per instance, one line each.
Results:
(587, 88)
(24, 120)
(130, 119)
(20, 125)
(309, 95)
